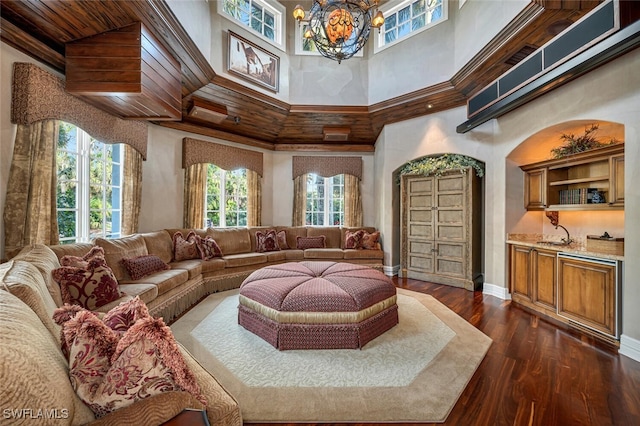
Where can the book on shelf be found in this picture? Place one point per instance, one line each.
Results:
(578, 196)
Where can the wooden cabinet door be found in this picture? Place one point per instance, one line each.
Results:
(520, 272)
(543, 278)
(418, 222)
(535, 189)
(587, 293)
(616, 181)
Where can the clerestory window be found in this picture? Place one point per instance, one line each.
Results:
(409, 18)
(226, 197)
(325, 200)
(263, 17)
(89, 189)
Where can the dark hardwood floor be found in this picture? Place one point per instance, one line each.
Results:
(536, 372)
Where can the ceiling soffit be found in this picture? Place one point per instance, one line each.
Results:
(42, 28)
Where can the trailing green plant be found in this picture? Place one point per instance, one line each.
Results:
(574, 144)
(439, 164)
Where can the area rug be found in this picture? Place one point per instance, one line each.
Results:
(415, 372)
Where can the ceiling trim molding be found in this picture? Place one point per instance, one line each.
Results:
(26, 43)
(218, 134)
(324, 148)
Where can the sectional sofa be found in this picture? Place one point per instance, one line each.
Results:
(36, 371)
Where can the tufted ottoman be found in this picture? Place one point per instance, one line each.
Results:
(317, 305)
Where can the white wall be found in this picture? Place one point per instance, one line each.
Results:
(610, 93)
(195, 18)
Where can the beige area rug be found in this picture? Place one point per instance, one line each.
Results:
(415, 372)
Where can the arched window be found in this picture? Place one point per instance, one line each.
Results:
(226, 200)
(89, 186)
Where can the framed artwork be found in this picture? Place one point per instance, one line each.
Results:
(252, 63)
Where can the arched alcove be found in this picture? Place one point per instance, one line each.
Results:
(537, 147)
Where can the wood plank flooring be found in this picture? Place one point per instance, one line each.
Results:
(536, 372)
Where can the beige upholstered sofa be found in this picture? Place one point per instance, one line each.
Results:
(35, 374)
(169, 293)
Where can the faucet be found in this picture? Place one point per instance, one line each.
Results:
(567, 240)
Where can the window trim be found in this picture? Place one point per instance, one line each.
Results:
(279, 12)
(393, 7)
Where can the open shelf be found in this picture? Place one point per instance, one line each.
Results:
(580, 180)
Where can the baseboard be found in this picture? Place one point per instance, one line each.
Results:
(630, 347)
(391, 270)
(496, 290)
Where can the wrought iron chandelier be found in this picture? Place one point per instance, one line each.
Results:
(340, 28)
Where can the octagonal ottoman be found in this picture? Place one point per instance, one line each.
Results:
(317, 305)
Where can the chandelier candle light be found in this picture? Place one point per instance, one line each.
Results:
(340, 28)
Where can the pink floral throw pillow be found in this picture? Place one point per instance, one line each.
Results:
(123, 316)
(370, 241)
(209, 249)
(141, 266)
(352, 239)
(82, 262)
(266, 241)
(304, 243)
(282, 240)
(185, 248)
(109, 372)
(90, 288)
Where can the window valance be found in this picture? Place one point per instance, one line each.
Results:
(226, 157)
(327, 166)
(39, 95)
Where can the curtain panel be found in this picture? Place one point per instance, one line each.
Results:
(298, 217)
(195, 189)
(352, 201)
(131, 190)
(254, 201)
(30, 212)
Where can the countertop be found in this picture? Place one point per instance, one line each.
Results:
(578, 247)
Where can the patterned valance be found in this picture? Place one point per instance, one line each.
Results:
(39, 95)
(327, 166)
(226, 157)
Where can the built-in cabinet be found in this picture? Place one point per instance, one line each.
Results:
(441, 228)
(580, 291)
(570, 183)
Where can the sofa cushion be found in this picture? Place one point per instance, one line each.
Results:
(160, 244)
(352, 239)
(252, 234)
(140, 266)
(363, 254)
(244, 259)
(24, 281)
(276, 256)
(117, 249)
(281, 236)
(82, 261)
(45, 260)
(164, 280)
(370, 241)
(266, 241)
(332, 235)
(89, 287)
(294, 254)
(123, 316)
(324, 253)
(193, 266)
(146, 292)
(33, 371)
(185, 247)
(344, 229)
(212, 265)
(231, 240)
(75, 249)
(304, 243)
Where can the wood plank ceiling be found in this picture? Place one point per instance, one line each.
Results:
(41, 28)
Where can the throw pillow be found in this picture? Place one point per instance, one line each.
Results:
(141, 266)
(304, 243)
(109, 374)
(209, 249)
(266, 241)
(82, 262)
(370, 241)
(352, 240)
(123, 316)
(90, 288)
(185, 248)
(282, 240)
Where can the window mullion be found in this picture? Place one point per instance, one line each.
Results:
(83, 202)
(223, 198)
